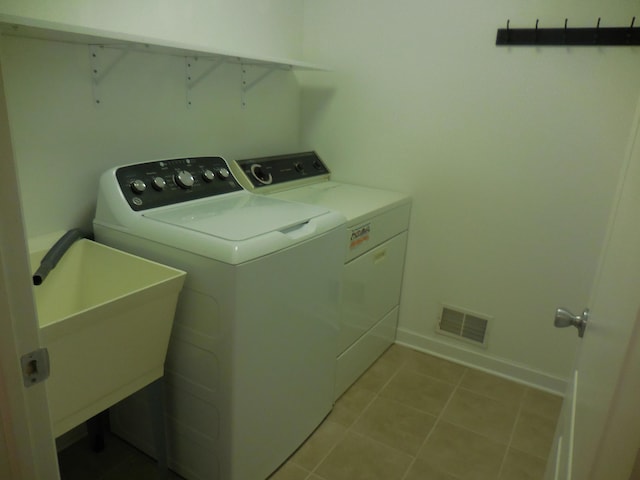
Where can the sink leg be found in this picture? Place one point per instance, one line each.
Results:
(95, 430)
(155, 391)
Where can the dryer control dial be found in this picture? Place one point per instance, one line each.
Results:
(184, 179)
(259, 174)
(223, 173)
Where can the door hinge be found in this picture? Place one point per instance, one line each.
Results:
(35, 366)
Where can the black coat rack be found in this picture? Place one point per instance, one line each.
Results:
(596, 36)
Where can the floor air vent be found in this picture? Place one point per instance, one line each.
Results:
(463, 325)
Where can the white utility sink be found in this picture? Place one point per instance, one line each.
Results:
(105, 317)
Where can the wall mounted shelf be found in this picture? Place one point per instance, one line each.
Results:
(45, 30)
(565, 36)
(98, 40)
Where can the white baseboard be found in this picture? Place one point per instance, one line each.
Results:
(482, 361)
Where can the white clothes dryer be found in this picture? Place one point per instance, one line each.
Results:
(375, 239)
(251, 362)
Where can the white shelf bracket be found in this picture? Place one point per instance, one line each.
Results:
(247, 84)
(100, 68)
(191, 77)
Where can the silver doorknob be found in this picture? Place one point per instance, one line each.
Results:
(564, 318)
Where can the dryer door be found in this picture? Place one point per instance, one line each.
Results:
(371, 289)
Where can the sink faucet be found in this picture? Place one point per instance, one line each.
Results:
(55, 253)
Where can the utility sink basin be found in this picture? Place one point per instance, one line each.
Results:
(105, 317)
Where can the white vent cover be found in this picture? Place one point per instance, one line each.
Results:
(456, 322)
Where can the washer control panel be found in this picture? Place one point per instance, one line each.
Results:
(165, 182)
(265, 171)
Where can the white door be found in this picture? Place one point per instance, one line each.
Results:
(598, 435)
(27, 447)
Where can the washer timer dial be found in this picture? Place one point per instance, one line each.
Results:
(184, 179)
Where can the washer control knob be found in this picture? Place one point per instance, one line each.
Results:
(208, 175)
(159, 183)
(138, 186)
(184, 179)
(223, 173)
(317, 165)
(299, 167)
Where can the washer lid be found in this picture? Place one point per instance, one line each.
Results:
(238, 217)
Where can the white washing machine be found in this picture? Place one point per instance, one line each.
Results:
(375, 241)
(251, 363)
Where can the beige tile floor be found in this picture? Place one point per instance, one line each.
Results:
(411, 416)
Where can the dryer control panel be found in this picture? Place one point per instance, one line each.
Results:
(166, 182)
(280, 170)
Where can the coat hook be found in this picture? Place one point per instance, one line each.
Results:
(536, 32)
(630, 31)
(509, 32)
(596, 37)
(564, 33)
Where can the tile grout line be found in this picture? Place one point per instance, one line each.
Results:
(435, 424)
(324, 457)
(513, 432)
(349, 428)
(374, 398)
